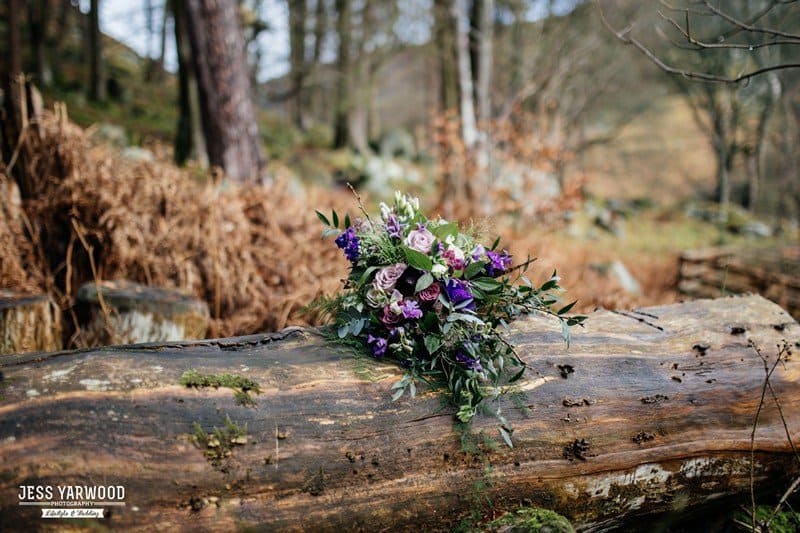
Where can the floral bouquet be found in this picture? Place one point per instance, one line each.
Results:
(430, 297)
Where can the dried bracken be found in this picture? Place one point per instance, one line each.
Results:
(251, 251)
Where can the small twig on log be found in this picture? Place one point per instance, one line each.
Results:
(783, 349)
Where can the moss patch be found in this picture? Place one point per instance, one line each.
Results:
(218, 444)
(531, 519)
(240, 385)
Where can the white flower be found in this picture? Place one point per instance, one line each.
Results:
(385, 211)
(438, 270)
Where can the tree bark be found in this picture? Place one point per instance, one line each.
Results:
(97, 75)
(445, 35)
(645, 409)
(38, 12)
(229, 114)
(466, 103)
(14, 58)
(341, 133)
(297, 55)
(190, 141)
(481, 41)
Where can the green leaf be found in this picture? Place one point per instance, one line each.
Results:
(418, 260)
(396, 395)
(506, 436)
(335, 218)
(432, 343)
(518, 375)
(429, 322)
(343, 331)
(445, 230)
(474, 269)
(322, 218)
(365, 276)
(425, 281)
(495, 243)
(347, 221)
(486, 284)
(566, 308)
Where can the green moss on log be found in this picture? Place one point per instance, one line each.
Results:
(241, 386)
(531, 520)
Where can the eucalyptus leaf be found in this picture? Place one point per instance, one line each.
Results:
(424, 281)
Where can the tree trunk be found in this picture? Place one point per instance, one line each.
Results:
(14, 57)
(229, 114)
(647, 412)
(38, 12)
(97, 75)
(314, 94)
(297, 55)
(445, 35)
(481, 40)
(469, 130)
(341, 135)
(190, 141)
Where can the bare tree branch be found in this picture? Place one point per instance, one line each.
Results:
(625, 37)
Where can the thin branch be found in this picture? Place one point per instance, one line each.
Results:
(625, 37)
(749, 27)
(700, 44)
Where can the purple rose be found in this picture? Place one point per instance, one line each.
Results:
(420, 239)
(389, 317)
(430, 293)
(387, 277)
(498, 263)
(348, 241)
(468, 361)
(378, 344)
(458, 292)
(410, 309)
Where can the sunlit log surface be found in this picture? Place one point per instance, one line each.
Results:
(654, 416)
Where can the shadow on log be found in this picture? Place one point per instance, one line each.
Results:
(647, 412)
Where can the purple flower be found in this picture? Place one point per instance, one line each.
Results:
(498, 263)
(458, 291)
(472, 363)
(410, 309)
(431, 293)
(348, 241)
(387, 277)
(420, 239)
(378, 345)
(394, 228)
(389, 318)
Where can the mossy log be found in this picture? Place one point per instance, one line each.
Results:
(123, 312)
(648, 411)
(28, 323)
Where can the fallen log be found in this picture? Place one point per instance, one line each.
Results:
(648, 411)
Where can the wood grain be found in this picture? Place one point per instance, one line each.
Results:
(667, 425)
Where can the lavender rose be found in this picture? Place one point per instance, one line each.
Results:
(420, 239)
(430, 293)
(389, 317)
(387, 277)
